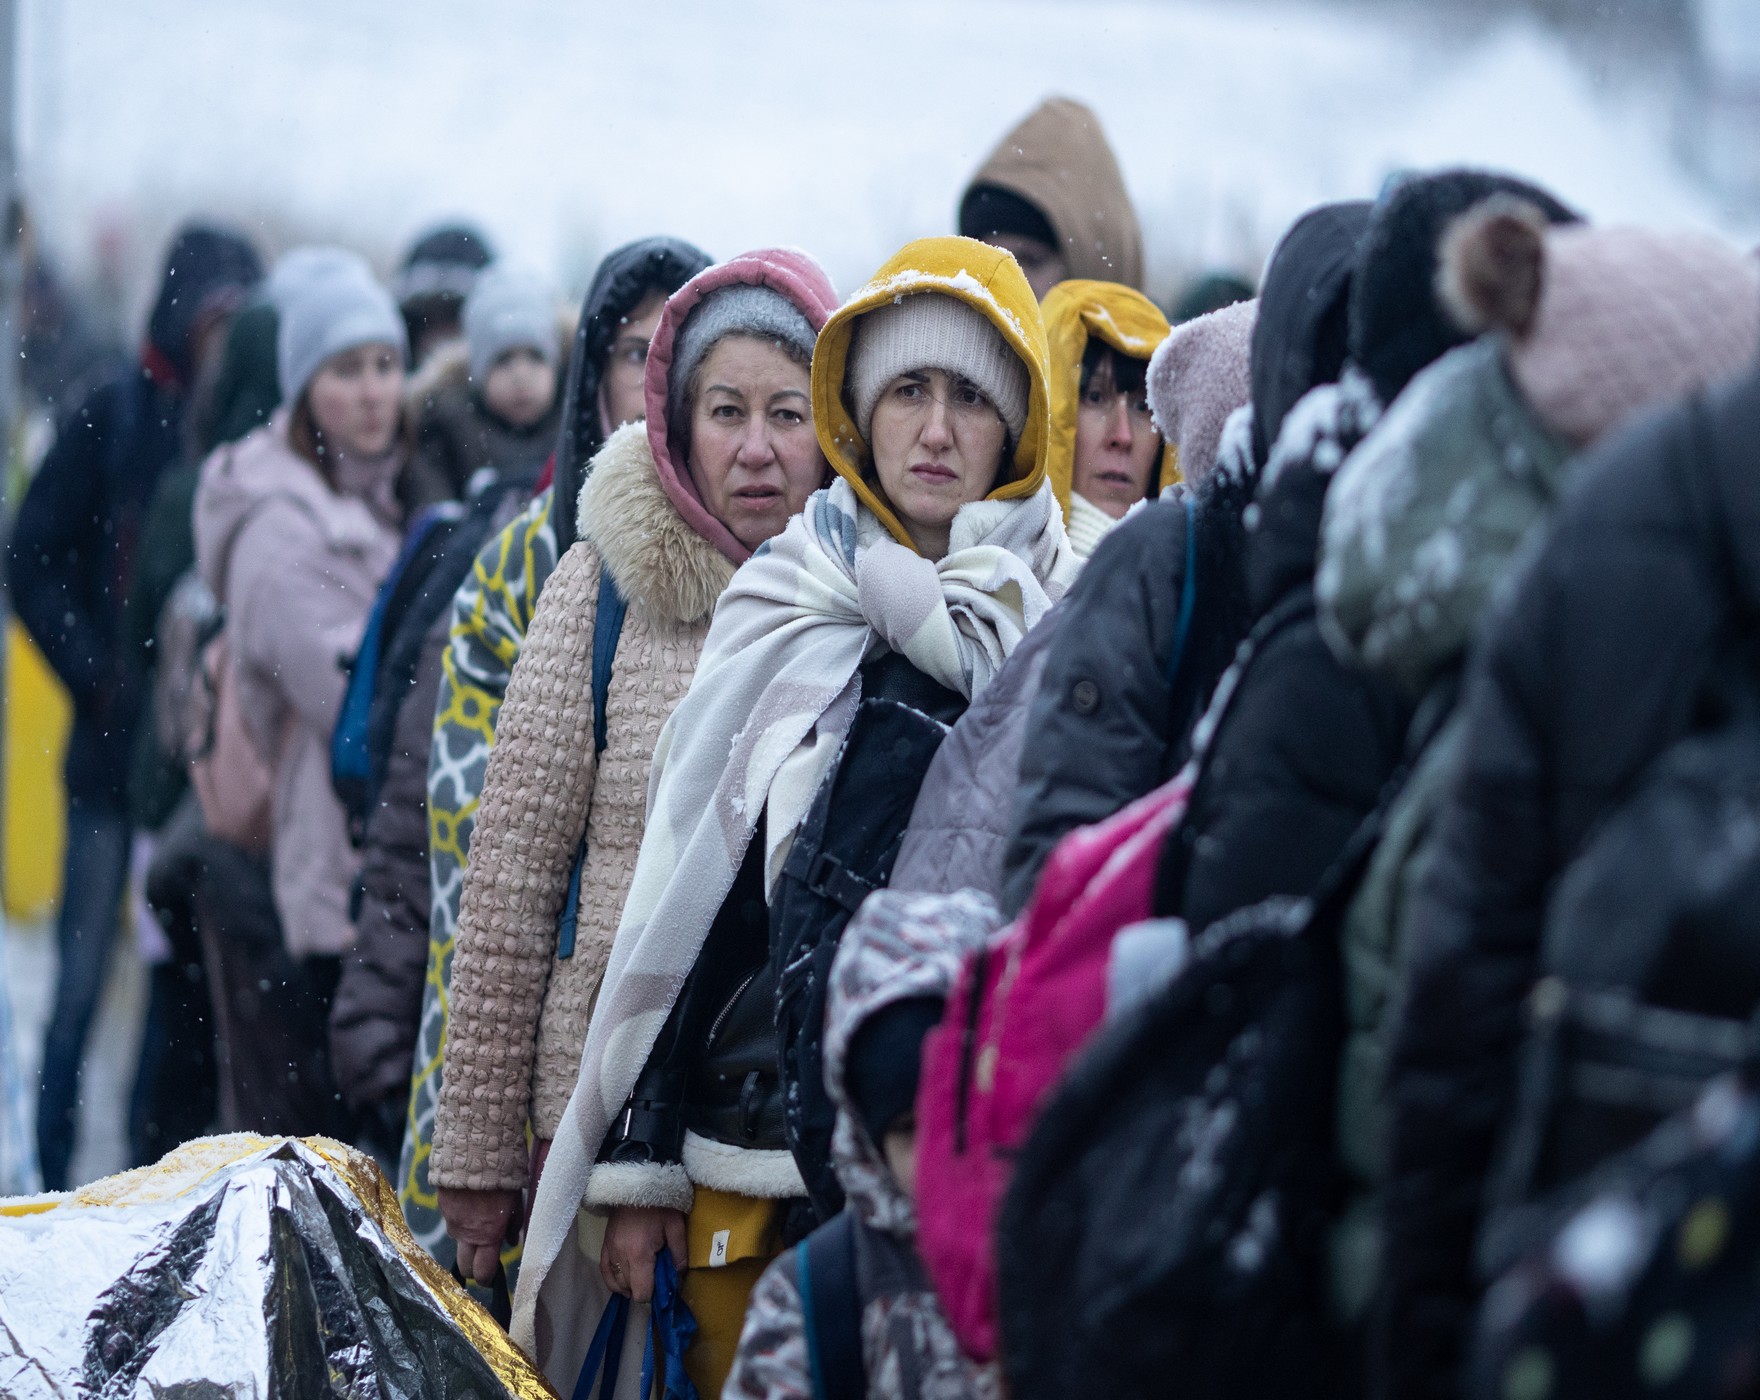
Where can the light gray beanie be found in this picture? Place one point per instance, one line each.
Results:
(300, 265)
(738, 308)
(508, 310)
(928, 330)
(331, 307)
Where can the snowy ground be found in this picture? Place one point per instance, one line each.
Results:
(566, 126)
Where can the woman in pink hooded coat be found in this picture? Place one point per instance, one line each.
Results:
(669, 510)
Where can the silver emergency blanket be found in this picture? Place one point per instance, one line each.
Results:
(240, 1268)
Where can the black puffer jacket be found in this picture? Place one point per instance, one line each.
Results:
(1111, 721)
(1597, 661)
(626, 275)
(1306, 744)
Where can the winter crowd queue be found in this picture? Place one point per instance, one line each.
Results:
(964, 840)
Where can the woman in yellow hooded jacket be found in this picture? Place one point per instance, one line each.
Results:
(1106, 454)
(933, 552)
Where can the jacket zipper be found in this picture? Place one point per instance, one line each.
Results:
(727, 1010)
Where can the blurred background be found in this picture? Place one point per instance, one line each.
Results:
(562, 128)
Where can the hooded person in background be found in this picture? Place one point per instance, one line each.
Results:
(69, 561)
(432, 283)
(490, 400)
(487, 620)
(894, 970)
(1051, 193)
(1106, 452)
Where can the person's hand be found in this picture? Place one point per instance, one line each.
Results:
(634, 1235)
(478, 1223)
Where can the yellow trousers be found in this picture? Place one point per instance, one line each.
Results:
(730, 1239)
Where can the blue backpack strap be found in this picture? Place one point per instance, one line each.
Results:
(831, 1309)
(1188, 595)
(607, 629)
(606, 1351)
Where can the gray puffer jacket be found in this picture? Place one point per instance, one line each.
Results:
(960, 826)
(900, 947)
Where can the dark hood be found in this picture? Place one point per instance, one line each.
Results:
(1301, 340)
(207, 270)
(1397, 323)
(625, 276)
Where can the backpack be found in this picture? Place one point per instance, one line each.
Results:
(1017, 1015)
(233, 784)
(831, 1309)
(1181, 1175)
(1623, 1031)
(1650, 1285)
(844, 851)
(197, 722)
(352, 768)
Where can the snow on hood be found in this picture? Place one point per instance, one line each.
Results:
(900, 946)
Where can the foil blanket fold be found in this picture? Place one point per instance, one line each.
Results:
(240, 1268)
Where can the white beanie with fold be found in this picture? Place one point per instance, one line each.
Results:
(928, 330)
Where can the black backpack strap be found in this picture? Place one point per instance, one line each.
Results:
(607, 629)
(831, 1309)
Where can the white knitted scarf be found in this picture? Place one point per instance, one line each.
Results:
(773, 697)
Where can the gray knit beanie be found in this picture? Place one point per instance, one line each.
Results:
(928, 330)
(334, 307)
(740, 308)
(508, 310)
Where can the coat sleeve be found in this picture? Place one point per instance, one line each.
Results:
(771, 1362)
(289, 618)
(536, 795)
(55, 543)
(959, 827)
(1100, 732)
(379, 998)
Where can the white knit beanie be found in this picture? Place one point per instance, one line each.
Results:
(334, 307)
(927, 330)
(507, 310)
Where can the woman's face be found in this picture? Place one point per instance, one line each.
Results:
(937, 442)
(754, 457)
(355, 396)
(1117, 446)
(621, 397)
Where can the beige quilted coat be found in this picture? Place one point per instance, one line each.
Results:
(520, 1013)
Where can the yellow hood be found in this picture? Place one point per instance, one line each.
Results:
(981, 276)
(1075, 312)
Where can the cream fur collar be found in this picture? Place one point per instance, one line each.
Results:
(668, 572)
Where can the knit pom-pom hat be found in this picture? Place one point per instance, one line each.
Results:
(930, 331)
(1599, 322)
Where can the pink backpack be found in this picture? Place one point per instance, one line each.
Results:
(1018, 1014)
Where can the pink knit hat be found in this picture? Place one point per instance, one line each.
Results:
(1602, 322)
(784, 270)
(1197, 377)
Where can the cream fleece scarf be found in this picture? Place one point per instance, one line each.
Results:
(774, 695)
